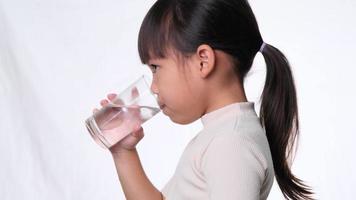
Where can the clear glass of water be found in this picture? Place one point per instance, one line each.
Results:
(131, 108)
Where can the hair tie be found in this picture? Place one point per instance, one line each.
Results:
(262, 47)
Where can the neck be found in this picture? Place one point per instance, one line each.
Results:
(231, 93)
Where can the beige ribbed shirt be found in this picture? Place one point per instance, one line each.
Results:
(229, 159)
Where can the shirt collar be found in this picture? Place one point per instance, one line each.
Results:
(228, 111)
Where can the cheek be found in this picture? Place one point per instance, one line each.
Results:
(168, 87)
(175, 98)
(178, 96)
(182, 108)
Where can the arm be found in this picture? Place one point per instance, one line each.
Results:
(134, 182)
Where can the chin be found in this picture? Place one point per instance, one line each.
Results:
(183, 121)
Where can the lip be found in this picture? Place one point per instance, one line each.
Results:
(160, 104)
(164, 110)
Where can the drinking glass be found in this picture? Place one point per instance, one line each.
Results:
(124, 114)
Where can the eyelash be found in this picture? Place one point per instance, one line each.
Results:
(153, 68)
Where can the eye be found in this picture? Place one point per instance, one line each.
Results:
(153, 68)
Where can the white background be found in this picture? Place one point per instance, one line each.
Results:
(59, 58)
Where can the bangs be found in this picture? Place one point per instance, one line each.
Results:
(156, 34)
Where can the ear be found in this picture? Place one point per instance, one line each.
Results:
(205, 60)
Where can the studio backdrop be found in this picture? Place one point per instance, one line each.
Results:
(59, 58)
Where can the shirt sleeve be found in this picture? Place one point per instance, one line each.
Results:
(233, 168)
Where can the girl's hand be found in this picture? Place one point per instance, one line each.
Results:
(129, 142)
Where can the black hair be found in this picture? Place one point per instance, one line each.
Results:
(230, 26)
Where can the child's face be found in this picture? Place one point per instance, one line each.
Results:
(178, 89)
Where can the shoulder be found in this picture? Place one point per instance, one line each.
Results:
(242, 132)
(242, 145)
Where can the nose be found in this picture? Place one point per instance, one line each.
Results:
(154, 88)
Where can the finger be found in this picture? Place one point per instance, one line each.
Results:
(138, 133)
(137, 127)
(135, 106)
(104, 102)
(118, 102)
(111, 96)
(134, 93)
(95, 110)
(136, 111)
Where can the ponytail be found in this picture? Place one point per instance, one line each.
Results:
(279, 116)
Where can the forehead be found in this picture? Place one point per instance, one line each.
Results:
(168, 58)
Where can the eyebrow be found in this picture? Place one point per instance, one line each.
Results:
(152, 64)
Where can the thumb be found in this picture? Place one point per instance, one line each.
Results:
(138, 132)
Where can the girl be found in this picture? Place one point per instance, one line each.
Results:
(199, 52)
